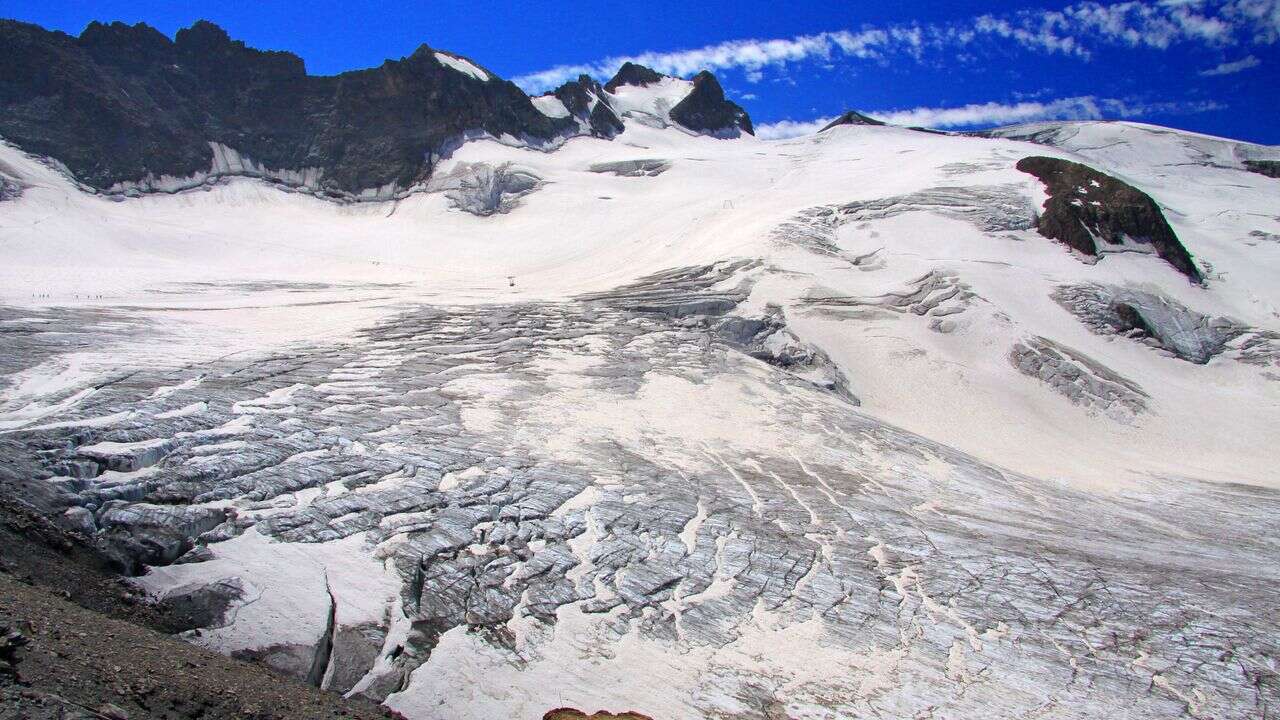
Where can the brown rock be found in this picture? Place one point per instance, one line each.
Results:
(1086, 207)
(572, 714)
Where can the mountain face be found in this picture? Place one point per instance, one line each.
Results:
(706, 110)
(586, 100)
(124, 107)
(866, 423)
(122, 103)
(632, 74)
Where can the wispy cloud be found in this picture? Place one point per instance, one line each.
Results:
(1231, 68)
(1084, 107)
(790, 128)
(1262, 15)
(1074, 30)
(750, 54)
(993, 113)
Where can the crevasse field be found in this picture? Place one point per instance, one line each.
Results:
(814, 428)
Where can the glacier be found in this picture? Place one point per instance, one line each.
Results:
(693, 427)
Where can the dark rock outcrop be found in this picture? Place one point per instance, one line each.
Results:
(604, 122)
(1094, 213)
(1270, 168)
(851, 117)
(705, 110)
(586, 101)
(632, 74)
(121, 103)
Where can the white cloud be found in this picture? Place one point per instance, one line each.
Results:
(1074, 30)
(1230, 68)
(751, 55)
(1263, 16)
(993, 113)
(790, 128)
(989, 114)
(1083, 107)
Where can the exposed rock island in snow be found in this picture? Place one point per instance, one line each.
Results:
(621, 408)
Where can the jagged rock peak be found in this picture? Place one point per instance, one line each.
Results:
(706, 110)
(851, 117)
(141, 36)
(586, 101)
(632, 74)
(203, 33)
(468, 67)
(576, 95)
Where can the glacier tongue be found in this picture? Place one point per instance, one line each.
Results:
(562, 499)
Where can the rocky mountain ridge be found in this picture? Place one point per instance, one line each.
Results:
(126, 109)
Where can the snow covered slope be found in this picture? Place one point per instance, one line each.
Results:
(819, 427)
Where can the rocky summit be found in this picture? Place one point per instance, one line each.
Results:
(403, 393)
(705, 109)
(851, 117)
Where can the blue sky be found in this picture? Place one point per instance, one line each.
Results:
(1205, 65)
